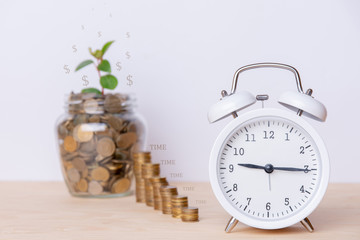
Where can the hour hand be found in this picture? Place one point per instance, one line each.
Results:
(248, 165)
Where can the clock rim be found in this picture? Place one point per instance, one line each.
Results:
(274, 224)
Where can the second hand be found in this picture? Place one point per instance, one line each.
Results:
(269, 183)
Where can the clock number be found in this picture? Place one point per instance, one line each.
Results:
(268, 206)
(287, 137)
(250, 138)
(269, 136)
(302, 189)
(239, 151)
(248, 200)
(306, 170)
(302, 150)
(231, 168)
(235, 188)
(287, 202)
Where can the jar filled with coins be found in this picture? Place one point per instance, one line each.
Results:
(97, 137)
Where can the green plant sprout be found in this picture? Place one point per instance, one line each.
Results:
(107, 81)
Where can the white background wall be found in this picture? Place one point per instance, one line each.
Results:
(181, 55)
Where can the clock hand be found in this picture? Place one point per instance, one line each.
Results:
(248, 165)
(291, 169)
(269, 168)
(269, 183)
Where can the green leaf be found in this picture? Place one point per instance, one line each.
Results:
(97, 54)
(108, 81)
(91, 90)
(83, 64)
(104, 66)
(105, 47)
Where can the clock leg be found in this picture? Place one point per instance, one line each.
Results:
(307, 224)
(231, 224)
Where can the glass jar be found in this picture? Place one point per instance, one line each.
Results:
(96, 137)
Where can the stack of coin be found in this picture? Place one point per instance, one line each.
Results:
(139, 159)
(177, 203)
(149, 170)
(190, 214)
(157, 182)
(166, 193)
(96, 142)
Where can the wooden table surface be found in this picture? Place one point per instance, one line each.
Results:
(45, 210)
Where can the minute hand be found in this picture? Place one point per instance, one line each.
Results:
(291, 169)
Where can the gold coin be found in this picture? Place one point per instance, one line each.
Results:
(73, 175)
(91, 106)
(95, 188)
(185, 219)
(105, 147)
(79, 164)
(79, 119)
(115, 123)
(105, 160)
(62, 131)
(190, 210)
(120, 185)
(67, 165)
(70, 156)
(112, 103)
(94, 119)
(87, 157)
(168, 190)
(70, 144)
(131, 127)
(158, 179)
(88, 147)
(100, 174)
(82, 185)
(179, 198)
(125, 140)
(85, 173)
(141, 155)
(105, 132)
(83, 133)
(121, 154)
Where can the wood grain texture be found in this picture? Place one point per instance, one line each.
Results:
(45, 210)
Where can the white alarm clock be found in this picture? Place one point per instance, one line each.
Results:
(269, 168)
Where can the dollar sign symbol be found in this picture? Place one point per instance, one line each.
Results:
(74, 47)
(128, 35)
(67, 70)
(130, 81)
(110, 15)
(99, 34)
(118, 66)
(82, 27)
(86, 82)
(128, 55)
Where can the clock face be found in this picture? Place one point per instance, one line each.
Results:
(269, 169)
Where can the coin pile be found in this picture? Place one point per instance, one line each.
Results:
(190, 214)
(149, 170)
(158, 182)
(166, 193)
(139, 159)
(155, 190)
(177, 203)
(96, 143)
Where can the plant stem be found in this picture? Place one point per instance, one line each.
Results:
(97, 69)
